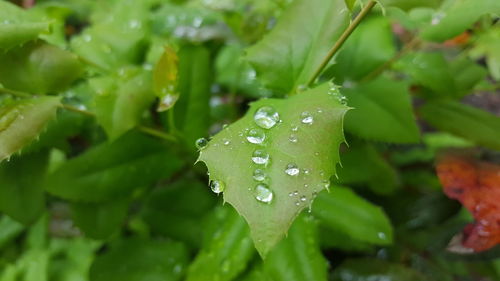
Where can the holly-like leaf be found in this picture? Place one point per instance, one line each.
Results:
(468, 122)
(270, 175)
(113, 169)
(38, 68)
(22, 121)
(288, 56)
(121, 100)
(165, 79)
(382, 111)
(227, 253)
(18, 26)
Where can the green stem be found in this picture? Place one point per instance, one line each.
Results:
(144, 129)
(15, 93)
(341, 40)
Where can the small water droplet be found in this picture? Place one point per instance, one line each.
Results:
(256, 136)
(303, 198)
(306, 118)
(260, 157)
(335, 92)
(263, 193)
(226, 141)
(201, 143)
(290, 194)
(306, 171)
(217, 186)
(292, 170)
(295, 193)
(316, 153)
(319, 110)
(301, 88)
(259, 175)
(381, 235)
(295, 128)
(306, 185)
(297, 203)
(326, 184)
(266, 117)
(293, 138)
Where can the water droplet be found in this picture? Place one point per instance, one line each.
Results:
(259, 175)
(201, 143)
(335, 92)
(306, 118)
(266, 117)
(263, 193)
(290, 194)
(256, 136)
(303, 198)
(326, 184)
(297, 203)
(260, 157)
(292, 170)
(217, 186)
(295, 193)
(316, 153)
(295, 128)
(301, 87)
(306, 171)
(293, 138)
(134, 24)
(226, 141)
(319, 110)
(381, 235)
(306, 185)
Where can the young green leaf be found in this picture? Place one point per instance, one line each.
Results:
(113, 170)
(21, 192)
(344, 211)
(100, 220)
(18, 26)
(22, 121)
(288, 56)
(298, 256)
(456, 17)
(134, 259)
(227, 253)
(165, 79)
(382, 112)
(488, 45)
(10, 229)
(272, 162)
(121, 100)
(471, 123)
(38, 68)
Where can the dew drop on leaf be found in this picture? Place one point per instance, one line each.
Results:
(295, 128)
(259, 175)
(201, 143)
(292, 170)
(303, 198)
(266, 117)
(226, 141)
(256, 136)
(293, 138)
(263, 193)
(260, 157)
(217, 186)
(306, 118)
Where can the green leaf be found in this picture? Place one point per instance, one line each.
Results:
(410, 4)
(22, 121)
(313, 148)
(192, 110)
(369, 46)
(9, 230)
(122, 99)
(100, 220)
(113, 170)
(21, 191)
(382, 112)
(375, 269)
(456, 16)
(350, 4)
(174, 204)
(298, 257)
(38, 68)
(361, 163)
(165, 79)
(471, 123)
(488, 44)
(227, 253)
(467, 74)
(430, 70)
(18, 26)
(343, 211)
(287, 57)
(138, 260)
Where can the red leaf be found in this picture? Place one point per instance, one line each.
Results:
(476, 185)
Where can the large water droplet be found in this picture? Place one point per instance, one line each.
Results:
(259, 175)
(263, 193)
(306, 118)
(292, 170)
(201, 143)
(266, 117)
(256, 136)
(260, 157)
(217, 186)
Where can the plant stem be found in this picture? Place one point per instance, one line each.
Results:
(144, 129)
(15, 93)
(341, 40)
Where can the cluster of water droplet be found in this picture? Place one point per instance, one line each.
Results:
(335, 92)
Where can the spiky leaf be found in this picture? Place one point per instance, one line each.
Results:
(22, 121)
(313, 148)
